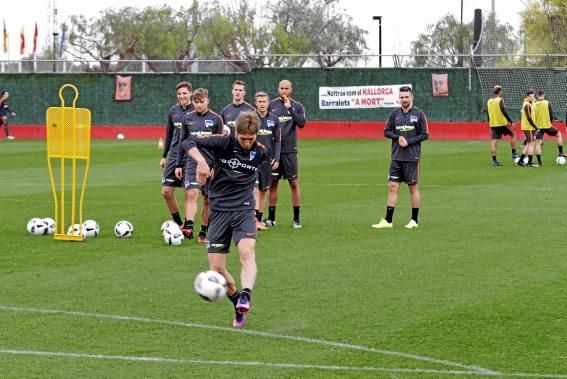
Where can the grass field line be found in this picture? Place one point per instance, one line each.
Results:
(346, 346)
(233, 363)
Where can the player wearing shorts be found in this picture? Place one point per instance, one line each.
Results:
(543, 117)
(529, 128)
(237, 106)
(168, 161)
(291, 114)
(237, 158)
(4, 112)
(500, 124)
(201, 123)
(269, 136)
(407, 128)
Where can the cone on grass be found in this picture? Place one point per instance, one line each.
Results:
(160, 144)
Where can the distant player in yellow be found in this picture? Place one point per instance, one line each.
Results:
(529, 127)
(543, 117)
(500, 124)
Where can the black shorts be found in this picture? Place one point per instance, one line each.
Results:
(404, 171)
(169, 179)
(549, 131)
(288, 167)
(263, 176)
(227, 225)
(530, 135)
(498, 131)
(190, 175)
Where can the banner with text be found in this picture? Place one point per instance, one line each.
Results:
(360, 97)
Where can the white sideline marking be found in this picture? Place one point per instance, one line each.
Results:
(476, 369)
(234, 363)
(268, 364)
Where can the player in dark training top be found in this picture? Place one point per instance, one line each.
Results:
(237, 106)
(168, 162)
(270, 136)
(407, 128)
(201, 123)
(237, 158)
(292, 116)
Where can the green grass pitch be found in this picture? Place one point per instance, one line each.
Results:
(479, 290)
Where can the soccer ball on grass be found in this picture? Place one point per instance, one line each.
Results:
(210, 285)
(123, 229)
(76, 230)
(36, 227)
(91, 228)
(49, 225)
(173, 236)
(560, 160)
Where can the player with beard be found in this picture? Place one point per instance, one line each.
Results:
(407, 128)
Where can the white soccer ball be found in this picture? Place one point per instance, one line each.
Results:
(120, 136)
(76, 230)
(91, 228)
(210, 285)
(225, 130)
(49, 225)
(123, 229)
(560, 160)
(36, 227)
(173, 236)
(168, 224)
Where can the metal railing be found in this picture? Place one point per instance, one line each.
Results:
(555, 61)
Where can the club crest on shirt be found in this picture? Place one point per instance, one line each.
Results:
(270, 123)
(209, 123)
(252, 155)
(413, 119)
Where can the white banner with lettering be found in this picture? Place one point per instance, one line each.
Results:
(360, 97)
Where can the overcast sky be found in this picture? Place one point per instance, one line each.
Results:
(402, 21)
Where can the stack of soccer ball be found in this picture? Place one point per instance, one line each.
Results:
(42, 226)
(172, 234)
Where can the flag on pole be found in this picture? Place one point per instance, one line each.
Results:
(5, 38)
(22, 42)
(35, 33)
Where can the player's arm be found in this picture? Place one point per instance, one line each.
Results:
(422, 131)
(168, 136)
(192, 145)
(389, 129)
(298, 115)
(550, 108)
(503, 110)
(528, 112)
(183, 135)
(277, 144)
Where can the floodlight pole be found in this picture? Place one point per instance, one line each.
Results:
(379, 18)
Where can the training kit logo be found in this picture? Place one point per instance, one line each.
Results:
(234, 163)
(405, 128)
(209, 123)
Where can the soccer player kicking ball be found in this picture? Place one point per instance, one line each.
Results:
(237, 158)
(407, 128)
